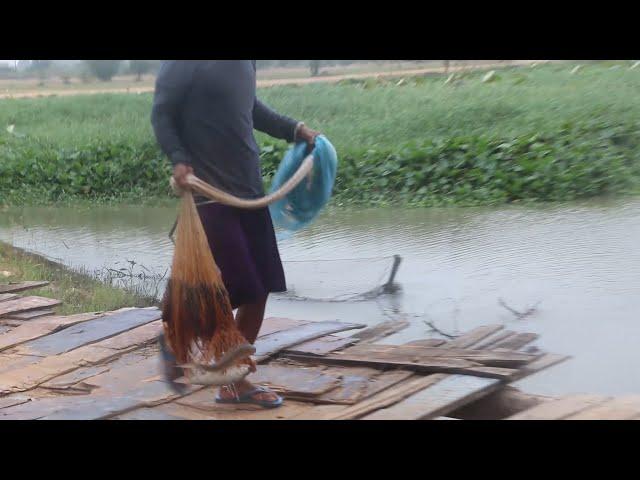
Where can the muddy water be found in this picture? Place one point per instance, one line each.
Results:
(578, 262)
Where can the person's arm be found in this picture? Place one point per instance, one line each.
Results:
(279, 126)
(272, 123)
(172, 85)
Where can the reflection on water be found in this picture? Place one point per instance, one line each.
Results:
(578, 260)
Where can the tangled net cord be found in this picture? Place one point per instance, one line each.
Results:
(352, 292)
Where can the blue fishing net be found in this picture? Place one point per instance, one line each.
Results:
(306, 201)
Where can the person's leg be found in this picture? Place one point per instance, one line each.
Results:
(249, 319)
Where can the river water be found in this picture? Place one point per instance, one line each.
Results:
(578, 263)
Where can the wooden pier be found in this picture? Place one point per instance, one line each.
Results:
(106, 366)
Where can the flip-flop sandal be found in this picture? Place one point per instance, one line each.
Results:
(171, 370)
(248, 398)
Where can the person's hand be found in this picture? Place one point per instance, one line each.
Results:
(180, 172)
(307, 135)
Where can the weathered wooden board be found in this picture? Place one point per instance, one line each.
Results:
(147, 414)
(411, 353)
(89, 332)
(515, 342)
(322, 346)
(473, 337)
(439, 399)
(7, 296)
(69, 380)
(545, 361)
(41, 327)
(15, 287)
(621, 408)
(560, 408)
(31, 314)
(124, 374)
(277, 324)
(358, 384)
(385, 398)
(427, 342)
(379, 331)
(491, 340)
(180, 412)
(425, 366)
(22, 379)
(295, 381)
(105, 406)
(24, 304)
(13, 400)
(9, 362)
(271, 344)
(36, 408)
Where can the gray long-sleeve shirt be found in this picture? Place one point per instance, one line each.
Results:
(204, 113)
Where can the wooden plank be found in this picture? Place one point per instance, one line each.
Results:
(545, 361)
(358, 384)
(181, 412)
(36, 408)
(379, 331)
(26, 378)
(560, 408)
(13, 400)
(41, 327)
(295, 382)
(621, 408)
(473, 336)
(385, 398)
(106, 406)
(89, 332)
(491, 340)
(271, 344)
(69, 380)
(413, 355)
(7, 296)
(147, 413)
(278, 324)
(428, 342)
(97, 407)
(515, 342)
(322, 345)
(31, 314)
(424, 366)
(23, 304)
(353, 384)
(439, 399)
(15, 287)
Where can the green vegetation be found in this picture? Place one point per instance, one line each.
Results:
(540, 133)
(78, 292)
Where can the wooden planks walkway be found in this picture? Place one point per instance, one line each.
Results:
(106, 365)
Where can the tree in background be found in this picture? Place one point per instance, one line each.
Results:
(104, 70)
(40, 67)
(314, 65)
(140, 67)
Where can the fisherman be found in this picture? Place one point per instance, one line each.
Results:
(204, 113)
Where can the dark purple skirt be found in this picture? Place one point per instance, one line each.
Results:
(243, 243)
